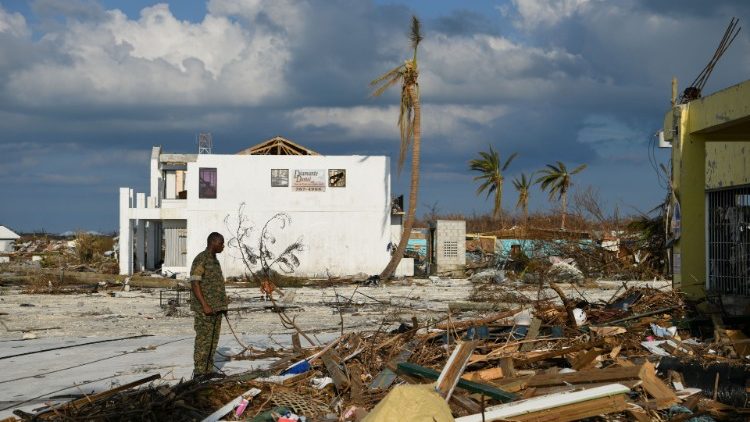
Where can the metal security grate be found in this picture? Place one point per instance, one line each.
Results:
(729, 241)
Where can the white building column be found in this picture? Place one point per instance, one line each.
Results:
(126, 232)
(140, 235)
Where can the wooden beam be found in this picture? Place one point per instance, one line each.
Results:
(560, 352)
(585, 359)
(586, 376)
(536, 324)
(487, 374)
(655, 387)
(474, 387)
(558, 407)
(454, 368)
(460, 325)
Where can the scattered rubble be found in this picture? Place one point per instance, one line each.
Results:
(625, 361)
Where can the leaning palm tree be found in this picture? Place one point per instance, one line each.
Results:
(523, 185)
(558, 180)
(491, 176)
(409, 123)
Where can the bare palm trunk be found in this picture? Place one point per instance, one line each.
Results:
(497, 213)
(525, 214)
(564, 209)
(413, 189)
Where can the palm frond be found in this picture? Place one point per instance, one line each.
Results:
(508, 161)
(416, 33)
(578, 169)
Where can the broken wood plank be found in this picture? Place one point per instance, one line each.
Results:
(488, 374)
(586, 376)
(474, 387)
(536, 324)
(506, 364)
(585, 359)
(460, 325)
(567, 303)
(559, 352)
(454, 368)
(386, 377)
(655, 387)
(558, 407)
(334, 370)
(461, 401)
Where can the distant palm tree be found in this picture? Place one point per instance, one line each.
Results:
(558, 180)
(523, 185)
(491, 175)
(409, 123)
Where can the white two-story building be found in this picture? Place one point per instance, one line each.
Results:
(340, 206)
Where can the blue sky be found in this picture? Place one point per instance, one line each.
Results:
(89, 86)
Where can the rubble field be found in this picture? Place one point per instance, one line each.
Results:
(430, 349)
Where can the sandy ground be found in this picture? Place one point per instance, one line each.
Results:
(69, 320)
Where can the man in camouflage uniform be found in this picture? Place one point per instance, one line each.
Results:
(209, 301)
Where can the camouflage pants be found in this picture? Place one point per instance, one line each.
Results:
(206, 327)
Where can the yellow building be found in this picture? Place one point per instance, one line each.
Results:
(710, 139)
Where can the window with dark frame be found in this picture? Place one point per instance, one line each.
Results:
(337, 178)
(207, 183)
(279, 178)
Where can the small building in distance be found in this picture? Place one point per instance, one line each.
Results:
(340, 207)
(7, 239)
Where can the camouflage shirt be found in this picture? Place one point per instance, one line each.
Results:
(207, 271)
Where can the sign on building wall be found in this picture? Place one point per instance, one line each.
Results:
(309, 180)
(279, 178)
(337, 178)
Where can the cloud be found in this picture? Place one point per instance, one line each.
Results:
(156, 59)
(450, 121)
(13, 24)
(534, 13)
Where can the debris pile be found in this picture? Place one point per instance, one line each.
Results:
(634, 357)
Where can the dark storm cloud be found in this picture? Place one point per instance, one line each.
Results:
(86, 92)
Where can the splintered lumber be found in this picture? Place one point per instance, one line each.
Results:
(474, 387)
(334, 370)
(460, 325)
(534, 327)
(585, 359)
(506, 364)
(558, 407)
(454, 368)
(569, 304)
(655, 387)
(488, 374)
(560, 352)
(587, 376)
(386, 377)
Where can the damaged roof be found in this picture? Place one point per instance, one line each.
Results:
(6, 233)
(277, 145)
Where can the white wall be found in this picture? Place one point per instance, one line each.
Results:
(6, 245)
(345, 230)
